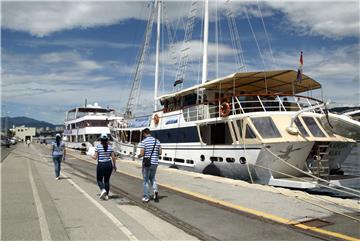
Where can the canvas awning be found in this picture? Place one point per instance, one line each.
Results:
(264, 82)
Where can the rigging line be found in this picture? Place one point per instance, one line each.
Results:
(258, 47)
(254, 35)
(186, 47)
(235, 37)
(313, 197)
(266, 34)
(171, 36)
(317, 178)
(162, 55)
(231, 30)
(216, 39)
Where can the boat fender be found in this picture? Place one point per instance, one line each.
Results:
(156, 119)
(224, 109)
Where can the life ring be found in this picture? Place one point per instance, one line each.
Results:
(224, 109)
(156, 119)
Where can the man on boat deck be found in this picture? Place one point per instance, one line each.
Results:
(150, 148)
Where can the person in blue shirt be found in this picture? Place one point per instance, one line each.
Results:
(150, 147)
(106, 160)
(58, 154)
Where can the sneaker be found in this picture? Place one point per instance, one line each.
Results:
(106, 197)
(102, 194)
(57, 178)
(156, 196)
(145, 199)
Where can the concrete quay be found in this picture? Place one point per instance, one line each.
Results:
(192, 206)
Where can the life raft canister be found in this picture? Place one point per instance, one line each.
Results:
(156, 119)
(224, 109)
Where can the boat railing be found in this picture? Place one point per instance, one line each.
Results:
(79, 115)
(249, 103)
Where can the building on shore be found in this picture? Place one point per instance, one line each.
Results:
(24, 133)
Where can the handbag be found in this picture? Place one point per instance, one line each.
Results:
(147, 160)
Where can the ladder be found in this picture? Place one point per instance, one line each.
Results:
(321, 167)
(184, 53)
(134, 93)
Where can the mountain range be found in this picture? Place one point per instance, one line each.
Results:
(9, 122)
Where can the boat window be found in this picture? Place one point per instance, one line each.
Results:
(135, 136)
(190, 99)
(266, 127)
(177, 135)
(179, 160)
(230, 159)
(240, 124)
(313, 127)
(249, 133)
(216, 159)
(301, 128)
(215, 134)
(167, 159)
(189, 161)
(327, 130)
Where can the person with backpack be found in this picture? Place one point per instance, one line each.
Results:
(150, 149)
(104, 154)
(58, 154)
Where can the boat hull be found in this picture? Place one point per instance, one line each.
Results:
(252, 162)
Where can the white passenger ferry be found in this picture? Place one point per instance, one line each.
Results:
(83, 125)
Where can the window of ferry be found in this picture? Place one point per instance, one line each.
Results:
(215, 134)
(313, 127)
(266, 127)
(327, 130)
(249, 134)
(301, 128)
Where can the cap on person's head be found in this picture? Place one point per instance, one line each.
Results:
(103, 136)
(57, 135)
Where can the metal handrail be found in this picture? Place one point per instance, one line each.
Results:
(295, 103)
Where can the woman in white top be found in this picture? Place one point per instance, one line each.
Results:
(104, 154)
(58, 154)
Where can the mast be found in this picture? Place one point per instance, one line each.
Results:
(205, 46)
(158, 3)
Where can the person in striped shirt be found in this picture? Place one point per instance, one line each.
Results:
(150, 147)
(104, 154)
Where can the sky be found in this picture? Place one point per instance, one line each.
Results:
(56, 55)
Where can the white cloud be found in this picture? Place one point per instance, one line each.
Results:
(329, 19)
(44, 18)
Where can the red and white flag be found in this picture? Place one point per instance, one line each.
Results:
(299, 73)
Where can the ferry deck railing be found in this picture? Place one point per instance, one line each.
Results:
(250, 103)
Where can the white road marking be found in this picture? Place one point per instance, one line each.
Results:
(118, 224)
(44, 228)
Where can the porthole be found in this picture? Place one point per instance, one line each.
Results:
(230, 159)
(242, 160)
(189, 161)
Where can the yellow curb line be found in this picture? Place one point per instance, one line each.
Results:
(244, 209)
